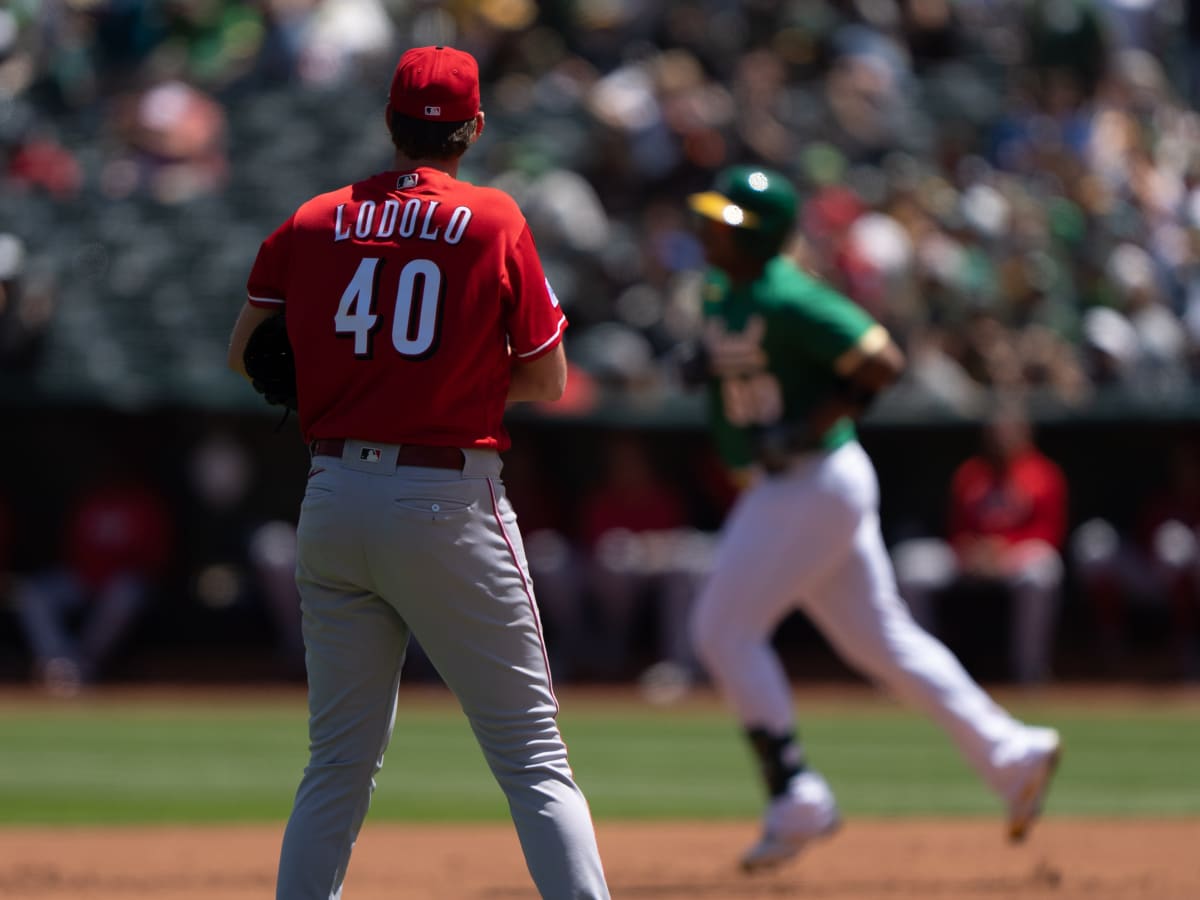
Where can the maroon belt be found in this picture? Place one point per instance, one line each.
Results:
(409, 454)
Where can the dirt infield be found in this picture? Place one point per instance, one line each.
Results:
(1065, 859)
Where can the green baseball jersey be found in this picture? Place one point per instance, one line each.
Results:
(779, 344)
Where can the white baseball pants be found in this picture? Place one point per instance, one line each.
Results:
(809, 539)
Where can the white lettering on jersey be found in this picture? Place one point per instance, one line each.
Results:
(750, 394)
(457, 226)
(408, 221)
(395, 220)
(366, 219)
(340, 233)
(387, 218)
(426, 234)
(553, 296)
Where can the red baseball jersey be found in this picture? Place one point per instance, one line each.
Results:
(408, 295)
(1027, 501)
(119, 528)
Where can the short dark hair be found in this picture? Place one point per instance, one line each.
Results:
(421, 139)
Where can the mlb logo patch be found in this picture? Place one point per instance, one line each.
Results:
(433, 110)
(369, 454)
(407, 181)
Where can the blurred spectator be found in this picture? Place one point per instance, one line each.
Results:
(640, 548)
(1142, 342)
(1155, 564)
(1067, 44)
(618, 357)
(339, 35)
(1112, 352)
(238, 558)
(173, 145)
(210, 42)
(118, 540)
(1007, 524)
(39, 162)
(26, 308)
(1131, 23)
(868, 109)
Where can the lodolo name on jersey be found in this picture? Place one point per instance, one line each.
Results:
(393, 219)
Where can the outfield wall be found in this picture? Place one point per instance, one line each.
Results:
(1111, 465)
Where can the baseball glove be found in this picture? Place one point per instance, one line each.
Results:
(270, 364)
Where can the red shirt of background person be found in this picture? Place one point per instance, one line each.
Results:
(396, 267)
(1007, 498)
(631, 497)
(118, 528)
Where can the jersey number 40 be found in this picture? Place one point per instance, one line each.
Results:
(417, 319)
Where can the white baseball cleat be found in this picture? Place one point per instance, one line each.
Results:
(1025, 803)
(807, 812)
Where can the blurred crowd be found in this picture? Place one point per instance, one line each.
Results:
(1012, 186)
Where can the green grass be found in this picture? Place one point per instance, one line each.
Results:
(201, 761)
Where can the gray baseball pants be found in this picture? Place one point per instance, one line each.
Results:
(385, 551)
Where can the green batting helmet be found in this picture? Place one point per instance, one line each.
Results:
(758, 201)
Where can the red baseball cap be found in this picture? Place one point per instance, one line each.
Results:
(438, 84)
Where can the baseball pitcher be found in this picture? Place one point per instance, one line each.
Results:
(416, 308)
(790, 364)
